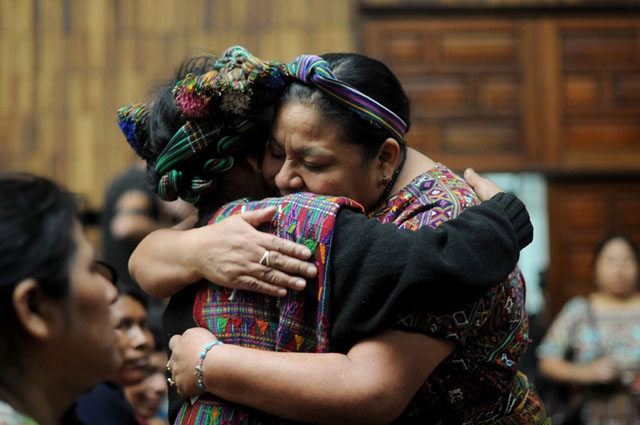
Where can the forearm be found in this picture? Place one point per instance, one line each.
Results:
(163, 268)
(372, 383)
(564, 371)
(560, 370)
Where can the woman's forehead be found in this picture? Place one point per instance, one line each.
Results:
(301, 128)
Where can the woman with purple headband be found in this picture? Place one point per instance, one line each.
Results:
(450, 359)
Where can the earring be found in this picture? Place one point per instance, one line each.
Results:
(385, 180)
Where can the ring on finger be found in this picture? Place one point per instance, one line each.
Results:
(265, 259)
(168, 367)
(171, 382)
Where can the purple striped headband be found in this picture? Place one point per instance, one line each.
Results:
(311, 69)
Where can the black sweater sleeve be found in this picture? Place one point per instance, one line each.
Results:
(378, 271)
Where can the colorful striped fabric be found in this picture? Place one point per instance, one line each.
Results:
(239, 85)
(298, 322)
(311, 69)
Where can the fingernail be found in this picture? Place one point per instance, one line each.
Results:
(282, 292)
(306, 252)
(301, 283)
(311, 270)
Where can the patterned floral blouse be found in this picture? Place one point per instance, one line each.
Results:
(616, 334)
(478, 383)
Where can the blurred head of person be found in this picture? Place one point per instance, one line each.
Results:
(134, 338)
(148, 396)
(616, 266)
(57, 337)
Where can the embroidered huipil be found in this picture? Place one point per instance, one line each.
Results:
(478, 383)
(297, 322)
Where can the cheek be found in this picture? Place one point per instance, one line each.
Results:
(270, 168)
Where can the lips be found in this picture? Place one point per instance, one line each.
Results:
(137, 362)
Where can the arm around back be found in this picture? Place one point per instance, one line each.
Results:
(379, 271)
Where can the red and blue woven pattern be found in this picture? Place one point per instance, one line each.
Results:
(297, 322)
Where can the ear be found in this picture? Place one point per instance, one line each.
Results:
(255, 163)
(37, 313)
(388, 156)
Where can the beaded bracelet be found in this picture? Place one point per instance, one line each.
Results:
(198, 369)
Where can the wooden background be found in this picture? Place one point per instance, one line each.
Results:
(66, 66)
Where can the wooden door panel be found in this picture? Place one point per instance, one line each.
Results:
(581, 212)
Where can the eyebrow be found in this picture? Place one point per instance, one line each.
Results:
(310, 151)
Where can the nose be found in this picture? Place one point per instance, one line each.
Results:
(288, 180)
(140, 338)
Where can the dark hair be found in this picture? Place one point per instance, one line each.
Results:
(134, 293)
(616, 236)
(36, 224)
(165, 119)
(370, 77)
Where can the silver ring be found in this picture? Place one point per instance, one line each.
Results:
(265, 259)
(168, 368)
(171, 382)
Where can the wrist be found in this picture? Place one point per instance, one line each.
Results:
(199, 369)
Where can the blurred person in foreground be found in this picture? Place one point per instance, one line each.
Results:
(594, 343)
(57, 338)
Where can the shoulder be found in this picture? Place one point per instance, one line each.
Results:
(105, 404)
(576, 305)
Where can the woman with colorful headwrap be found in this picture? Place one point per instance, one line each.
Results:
(387, 370)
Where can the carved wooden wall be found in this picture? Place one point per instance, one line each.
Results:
(582, 211)
(472, 89)
(518, 93)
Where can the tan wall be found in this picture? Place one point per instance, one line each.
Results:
(67, 65)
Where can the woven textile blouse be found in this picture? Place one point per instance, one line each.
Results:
(298, 322)
(617, 335)
(478, 383)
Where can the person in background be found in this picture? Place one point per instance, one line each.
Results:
(149, 397)
(56, 335)
(594, 342)
(106, 404)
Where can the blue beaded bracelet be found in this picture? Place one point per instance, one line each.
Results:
(198, 369)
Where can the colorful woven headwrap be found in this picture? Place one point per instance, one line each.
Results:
(197, 138)
(311, 69)
(133, 120)
(220, 107)
(240, 84)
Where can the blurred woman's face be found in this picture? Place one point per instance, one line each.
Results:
(135, 341)
(146, 397)
(306, 154)
(90, 341)
(616, 269)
